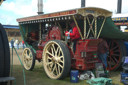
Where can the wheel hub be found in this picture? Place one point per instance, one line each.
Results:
(56, 59)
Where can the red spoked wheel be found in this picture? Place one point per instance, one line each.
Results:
(116, 52)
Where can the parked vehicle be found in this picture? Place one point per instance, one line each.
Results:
(45, 40)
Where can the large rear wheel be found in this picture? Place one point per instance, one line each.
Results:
(56, 59)
(116, 52)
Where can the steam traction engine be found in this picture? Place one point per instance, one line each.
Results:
(45, 40)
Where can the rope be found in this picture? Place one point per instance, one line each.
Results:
(20, 63)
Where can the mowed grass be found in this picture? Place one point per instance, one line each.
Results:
(38, 77)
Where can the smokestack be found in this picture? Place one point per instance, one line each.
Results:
(40, 7)
(119, 4)
(82, 3)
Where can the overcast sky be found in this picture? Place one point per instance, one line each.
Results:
(10, 10)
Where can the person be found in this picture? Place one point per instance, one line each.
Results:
(74, 34)
(17, 43)
(23, 44)
(103, 52)
(12, 43)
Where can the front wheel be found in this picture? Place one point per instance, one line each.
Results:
(28, 59)
(56, 59)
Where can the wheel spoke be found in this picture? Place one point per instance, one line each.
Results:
(25, 52)
(113, 60)
(59, 52)
(53, 47)
(49, 53)
(56, 51)
(52, 51)
(29, 54)
(60, 65)
(30, 63)
(114, 48)
(49, 58)
(116, 51)
(54, 68)
(61, 57)
(49, 63)
(110, 62)
(57, 70)
(115, 55)
(25, 60)
(30, 59)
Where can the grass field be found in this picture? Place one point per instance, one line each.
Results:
(38, 76)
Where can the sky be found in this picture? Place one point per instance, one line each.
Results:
(10, 10)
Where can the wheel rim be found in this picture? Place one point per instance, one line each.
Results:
(27, 58)
(53, 60)
(114, 55)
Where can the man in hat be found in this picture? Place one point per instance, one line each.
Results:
(74, 34)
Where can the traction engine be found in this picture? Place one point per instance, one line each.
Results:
(45, 40)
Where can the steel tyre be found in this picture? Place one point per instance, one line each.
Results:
(56, 59)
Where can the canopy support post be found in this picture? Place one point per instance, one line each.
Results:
(85, 27)
(101, 28)
(78, 27)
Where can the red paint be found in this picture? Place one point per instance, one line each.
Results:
(39, 54)
(54, 34)
(87, 46)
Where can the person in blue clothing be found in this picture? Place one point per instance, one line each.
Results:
(103, 52)
(12, 43)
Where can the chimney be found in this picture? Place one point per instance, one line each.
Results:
(82, 3)
(40, 7)
(119, 4)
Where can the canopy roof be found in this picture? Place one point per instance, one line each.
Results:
(65, 15)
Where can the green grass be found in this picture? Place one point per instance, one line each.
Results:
(38, 77)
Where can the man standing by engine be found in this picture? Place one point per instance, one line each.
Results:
(103, 52)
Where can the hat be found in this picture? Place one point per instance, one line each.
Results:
(72, 23)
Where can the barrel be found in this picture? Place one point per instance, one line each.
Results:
(74, 76)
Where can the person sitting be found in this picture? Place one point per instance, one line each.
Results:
(74, 34)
